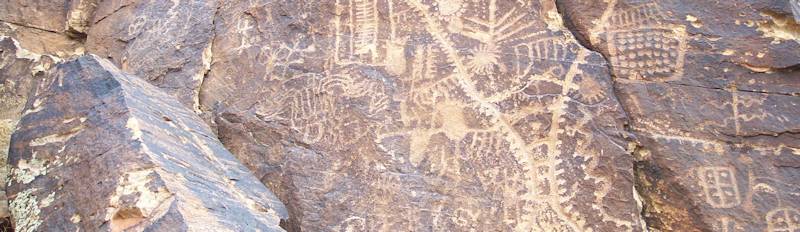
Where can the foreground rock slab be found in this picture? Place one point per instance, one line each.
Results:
(99, 150)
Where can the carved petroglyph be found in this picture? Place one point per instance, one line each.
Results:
(353, 224)
(725, 224)
(243, 27)
(356, 24)
(447, 119)
(646, 54)
(735, 108)
(477, 73)
(306, 110)
(449, 8)
(277, 58)
(137, 25)
(552, 50)
(643, 45)
(316, 107)
(643, 14)
(783, 219)
(497, 33)
(396, 57)
(494, 31)
(719, 186)
(482, 94)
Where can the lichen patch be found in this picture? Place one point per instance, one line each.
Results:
(26, 211)
(27, 170)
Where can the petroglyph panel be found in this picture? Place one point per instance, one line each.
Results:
(440, 115)
(713, 116)
(422, 115)
(737, 185)
(708, 99)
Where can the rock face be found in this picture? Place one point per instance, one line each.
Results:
(101, 150)
(46, 15)
(20, 71)
(47, 26)
(57, 16)
(712, 92)
(457, 115)
(40, 41)
(165, 42)
(414, 115)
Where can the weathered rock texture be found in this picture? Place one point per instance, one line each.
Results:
(100, 150)
(42, 42)
(165, 42)
(484, 115)
(46, 15)
(70, 17)
(417, 115)
(712, 89)
(20, 70)
(47, 26)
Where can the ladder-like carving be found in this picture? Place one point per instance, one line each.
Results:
(357, 33)
(365, 23)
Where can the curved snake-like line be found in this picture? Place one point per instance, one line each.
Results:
(516, 141)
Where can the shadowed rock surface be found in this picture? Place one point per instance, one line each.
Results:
(20, 71)
(100, 150)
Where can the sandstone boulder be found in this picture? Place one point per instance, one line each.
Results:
(101, 150)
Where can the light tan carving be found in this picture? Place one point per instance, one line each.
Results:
(719, 186)
(357, 33)
(642, 45)
(243, 27)
(783, 219)
(725, 224)
(478, 91)
(353, 224)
